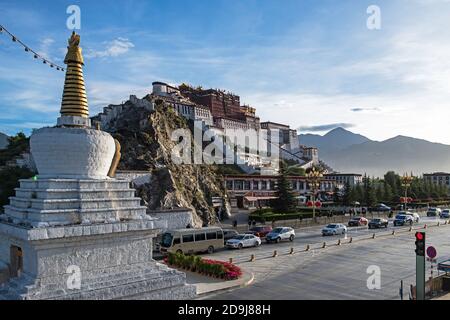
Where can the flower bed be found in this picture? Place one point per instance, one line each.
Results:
(214, 268)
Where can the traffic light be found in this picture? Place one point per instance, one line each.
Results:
(420, 244)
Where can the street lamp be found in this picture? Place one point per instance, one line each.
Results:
(406, 183)
(313, 178)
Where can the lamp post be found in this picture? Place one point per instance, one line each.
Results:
(406, 183)
(313, 178)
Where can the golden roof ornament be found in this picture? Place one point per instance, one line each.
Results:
(73, 50)
(74, 100)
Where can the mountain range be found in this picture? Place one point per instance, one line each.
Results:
(348, 152)
(3, 141)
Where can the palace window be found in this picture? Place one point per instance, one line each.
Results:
(264, 185)
(272, 185)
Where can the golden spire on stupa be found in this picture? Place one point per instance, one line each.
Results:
(74, 100)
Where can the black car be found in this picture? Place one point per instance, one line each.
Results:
(229, 234)
(378, 223)
(382, 208)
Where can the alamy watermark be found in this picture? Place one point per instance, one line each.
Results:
(73, 22)
(374, 280)
(230, 146)
(74, 279)
(374, 20)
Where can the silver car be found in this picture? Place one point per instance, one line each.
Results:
(243, 240)
(280, 233)
(334, 229)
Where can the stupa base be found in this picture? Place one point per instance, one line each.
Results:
(96, 265)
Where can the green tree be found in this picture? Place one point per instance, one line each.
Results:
(337, 196)
(9, 179)
(427, 190)
(434, 191)
(358, 193)
(348, 195)
(285, 201)
(393, 179)
(388, 195)
(443, 191)
(369, 193)
(380, 192)
(17, 145)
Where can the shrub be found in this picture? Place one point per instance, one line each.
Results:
(210, 267)
(262, 211)
(271, 216)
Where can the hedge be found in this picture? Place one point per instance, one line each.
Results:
(270, 216)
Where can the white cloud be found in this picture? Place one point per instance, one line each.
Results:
(102, 93)
(112, 48)
(44, 47)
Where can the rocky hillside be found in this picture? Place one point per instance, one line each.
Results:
(146, 145)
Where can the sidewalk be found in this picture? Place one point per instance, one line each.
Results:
(207, 284)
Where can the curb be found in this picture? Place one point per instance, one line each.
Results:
(206, 288)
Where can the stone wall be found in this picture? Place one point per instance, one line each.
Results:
(115, 265)
(138, 178)
(178, 218)
(4, 272)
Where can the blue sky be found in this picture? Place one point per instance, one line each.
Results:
(310, 64)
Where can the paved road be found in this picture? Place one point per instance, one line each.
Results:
(312, 236)
(337, 272)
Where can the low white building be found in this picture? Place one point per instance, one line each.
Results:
(438, 178)
(353, 179)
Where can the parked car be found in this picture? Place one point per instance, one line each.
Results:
(403, 219)
(358, 210)
(414, 215)
(260, 231)
(358, 221)
(445, 214)
(334, 229)
(229, 234)
(242, 241)
(378, 223)
(381, 207)
(280, 233)
(433, 212)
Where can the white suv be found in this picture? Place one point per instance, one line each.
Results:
(433, 212)
(280, 233)
(414, 215)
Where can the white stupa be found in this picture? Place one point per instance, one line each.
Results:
(73, 231)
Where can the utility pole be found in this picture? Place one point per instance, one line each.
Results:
(420, 265)
(406, 183)
(313, 178)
